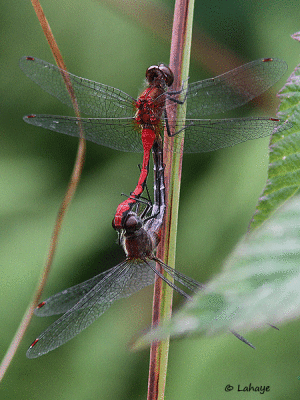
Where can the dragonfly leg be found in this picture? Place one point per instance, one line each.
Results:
(168, 126)
(176, 92)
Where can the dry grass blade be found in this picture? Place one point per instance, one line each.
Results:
(75, 177)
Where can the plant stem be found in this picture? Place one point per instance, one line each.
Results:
(73, 183)
(163, 294)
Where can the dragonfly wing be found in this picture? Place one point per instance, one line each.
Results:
(93, 98)
(203, 135)
(181, 278)
(177, 276)
(234, 88)
(61, 302)
(123, 281)
(117, 133)
(140, 277)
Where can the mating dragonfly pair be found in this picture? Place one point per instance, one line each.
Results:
(117, 126)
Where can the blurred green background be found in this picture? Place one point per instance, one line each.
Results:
(114, 43)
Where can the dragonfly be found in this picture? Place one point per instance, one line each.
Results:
(82, 304)
(124, 123)
(150, 106)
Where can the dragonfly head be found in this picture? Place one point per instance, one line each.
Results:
(159, 73)
(132, 223)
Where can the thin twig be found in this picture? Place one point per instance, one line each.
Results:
(74, 180)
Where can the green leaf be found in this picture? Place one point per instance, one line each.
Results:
(259, 284)
(284, 163)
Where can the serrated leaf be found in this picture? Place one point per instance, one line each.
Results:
(284, 159)
(259, 284)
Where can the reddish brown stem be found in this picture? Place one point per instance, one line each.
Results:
(159, 350)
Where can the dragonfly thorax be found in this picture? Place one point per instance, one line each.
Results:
(136, 241)
(150, 106)
(138, 244)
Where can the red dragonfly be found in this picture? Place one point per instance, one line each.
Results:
(150, 106)
(84, 303)
(124, 123)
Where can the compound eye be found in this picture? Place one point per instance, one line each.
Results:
(167, 73)
(132, 223)
(152, 73)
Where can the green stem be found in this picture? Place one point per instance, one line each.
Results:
(163, 294)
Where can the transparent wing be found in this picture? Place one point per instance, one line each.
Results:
(117, 133)
(201, 135)
(212, 134)
(234, 88)
(210, 96)
(61, 302)
(93, 98)
(181, 278)
(85, 302)
(122, 281)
